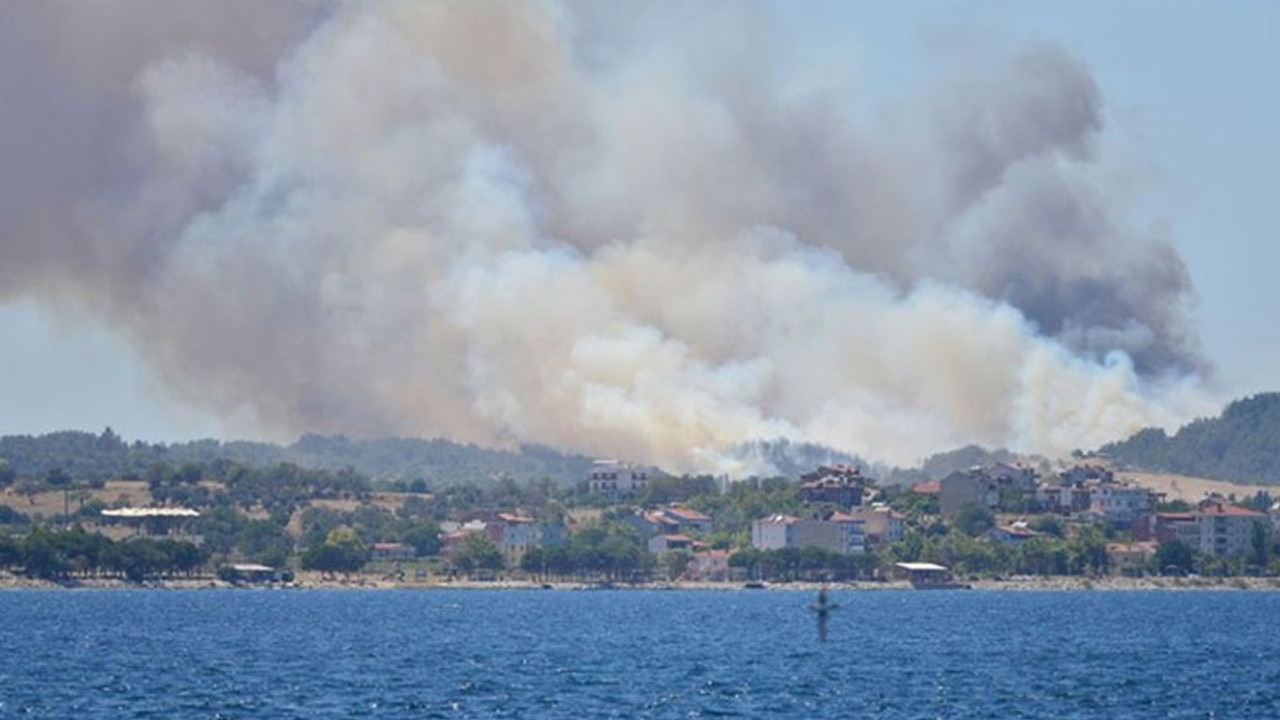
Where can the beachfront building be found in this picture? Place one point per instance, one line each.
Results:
(1131, 558)
(709, 566)
(839, 533)
(922, 574)
(1216, 527)
(174, 521)
(391, 552)
(1227, 529)
(774, 532)
(881, 525)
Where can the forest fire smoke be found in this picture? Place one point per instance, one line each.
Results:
(517, 222)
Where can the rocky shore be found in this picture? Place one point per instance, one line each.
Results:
(313, 581)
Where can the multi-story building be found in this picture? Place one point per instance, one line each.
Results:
(1118, 504)
(1226, 529)
(841, 533)
(837, 485)
(970, 487)
(881, 525)
(774, 532)
(614, 480)
(1215, 528)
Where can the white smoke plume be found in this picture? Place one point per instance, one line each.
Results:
(536, 222)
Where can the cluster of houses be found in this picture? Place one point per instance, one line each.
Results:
(511, 533)
(1090, 493)
(837, 517)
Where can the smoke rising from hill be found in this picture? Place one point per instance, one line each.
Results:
(517, 221)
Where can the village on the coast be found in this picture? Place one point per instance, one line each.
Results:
(628, 525)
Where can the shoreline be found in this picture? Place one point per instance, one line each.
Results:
(12, 582)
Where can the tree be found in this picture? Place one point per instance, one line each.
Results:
(973, 520)
(1174, 557)
(674, 563)
(476, 552)
(425, 539)
(1260, 546)
(7, 474)
(341, 552)
(10, 551)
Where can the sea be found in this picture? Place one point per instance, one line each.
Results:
(118, 654)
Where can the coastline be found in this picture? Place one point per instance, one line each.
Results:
(308, 581)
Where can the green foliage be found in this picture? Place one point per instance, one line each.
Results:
(425, 539)
(11, 517)
(341, 552)
(1174, 557)
(914, 505)
(668, 490)
(46, 554)
(10, 551)
(1260, 546)
(1241, 445)
(1048, 524)
(99, 457)
(808, 564)
(974, 520)
(476, 552)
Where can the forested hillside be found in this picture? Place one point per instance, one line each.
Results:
(86, 456)
(1242, 445)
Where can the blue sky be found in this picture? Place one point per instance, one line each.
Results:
(1192, 107)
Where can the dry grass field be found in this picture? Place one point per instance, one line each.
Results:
(1190, 489)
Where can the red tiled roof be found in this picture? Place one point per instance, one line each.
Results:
(1219, 508)
(933, 487)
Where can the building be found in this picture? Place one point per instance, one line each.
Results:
(1063, 499)
(839, 533)
(686, 520)
(1132, 557)
(922, 574)
(662, 543)
(615, 480)
(1012, 535)
(837, 485)
(881, 525)
(968, 487)
(1118, 505)
(774, 532)
(709, 566)
(1227, 529)
(1167, 527)
(1215, 528)
(391, 552)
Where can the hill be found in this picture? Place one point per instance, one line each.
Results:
(1242, 445)
(437, 462)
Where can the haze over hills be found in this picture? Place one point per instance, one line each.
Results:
(1242, 445)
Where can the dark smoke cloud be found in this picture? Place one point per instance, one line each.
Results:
(652, 235)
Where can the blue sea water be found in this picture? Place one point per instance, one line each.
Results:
(637, 654)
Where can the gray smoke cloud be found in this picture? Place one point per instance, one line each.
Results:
(652, 236)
